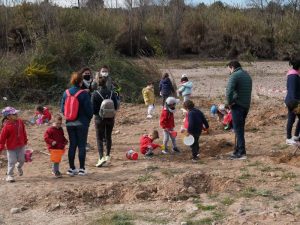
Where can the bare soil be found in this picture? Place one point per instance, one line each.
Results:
(170, 189)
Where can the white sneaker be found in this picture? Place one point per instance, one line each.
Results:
(82, 172)
(296, 138)
(101, 162)
(290, 142)
(20, 171)
(72, 173)
(107, 159)
(149, 116)
(10, 179)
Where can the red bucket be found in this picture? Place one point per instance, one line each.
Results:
(28, 155)
(132, 155)
(173, 133)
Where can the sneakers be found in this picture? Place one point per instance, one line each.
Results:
(10, 179)
(165, 151)
(239, 157)
(149, 116)
(195, 159)
(176, 150)
(72, 172)
(101, 162)
(296, 138)
(58, 174)
(107, 159)
(290, 141)
(20, 171)
(149, 154)
(82, 172)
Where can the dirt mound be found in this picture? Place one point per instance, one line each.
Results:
(214, 148)
(288, 158)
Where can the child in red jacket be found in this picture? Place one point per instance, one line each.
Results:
(167, 123)
(55, 139)
(13, 136)
(146, 143)
(42, 115)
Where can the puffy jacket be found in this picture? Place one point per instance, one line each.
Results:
(85, 112)
(46, 115)
(293, 89)
(196, 120)
(165, 87)
(57, 135)
(146, 142)
(239, 88)
(148, 95)
(167, 119)
(13, 135)
(186, 88)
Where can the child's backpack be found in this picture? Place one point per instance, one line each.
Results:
(107, 108)
(71, 105)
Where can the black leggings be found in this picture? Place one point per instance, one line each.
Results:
(104, 129)
(291, 120)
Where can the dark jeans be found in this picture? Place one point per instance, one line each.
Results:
(195, 147)
(104, 129)
(78, 137)
(164, 99)
(290, 123)
(239, 115)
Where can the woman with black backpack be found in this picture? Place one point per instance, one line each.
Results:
(105, 105)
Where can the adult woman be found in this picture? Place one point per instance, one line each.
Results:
(292, 100)
(87, 79)
(104, 124)
(78, 128)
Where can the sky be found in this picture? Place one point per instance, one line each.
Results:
(108, 3)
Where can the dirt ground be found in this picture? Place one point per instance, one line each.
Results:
(170, 189)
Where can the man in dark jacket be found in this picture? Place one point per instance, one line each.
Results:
(238, 97)
(165, 87)
(196, 122)
(104, 126)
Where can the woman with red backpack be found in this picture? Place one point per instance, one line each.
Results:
(77, 108)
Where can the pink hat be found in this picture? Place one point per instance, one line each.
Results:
(9, 111)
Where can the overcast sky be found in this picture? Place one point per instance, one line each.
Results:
(112, 3)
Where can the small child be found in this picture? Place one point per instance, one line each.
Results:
(167, 123)
(55, 139)
(185, 88)
(196, 122)
(14, 137)
(42, 115)
(146, 143)
(149, 98)
(224, 115)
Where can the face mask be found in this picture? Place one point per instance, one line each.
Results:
(87, 77)
(104, 74)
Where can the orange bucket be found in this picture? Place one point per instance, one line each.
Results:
(56, 155)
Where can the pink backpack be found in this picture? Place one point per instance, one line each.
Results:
(71, 105)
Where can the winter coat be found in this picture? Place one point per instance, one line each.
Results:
(57, 135)
(196, 120)
(167, 120)
(85, 112)
(165, 87)
(239, 89)
(13, 135)
(148, 95)
(293, 89)
(186, 88)
(145, 143)
(46, 115)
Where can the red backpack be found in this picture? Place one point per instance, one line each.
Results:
(71, 105)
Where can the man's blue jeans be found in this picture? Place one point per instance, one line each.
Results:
(239, 115)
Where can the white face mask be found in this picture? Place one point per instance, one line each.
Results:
(104, 74)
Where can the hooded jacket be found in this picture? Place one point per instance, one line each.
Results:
(57, 135)
(148, 95)
(13, 135)
(186, 88)
(46, 115)
(145, 143)
(165, 87)
(293, 89)
(167, 119)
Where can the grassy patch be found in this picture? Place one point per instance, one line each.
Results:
(245, 176)
(171, 172)
(248, 192)
(207, 220)
(255, 164)
(152, 168)
(120, 218)
(145, 178)
(227, 201)
(154, 220)
(251, 192)
(288, 175)
(213, 195)
(206, 207)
